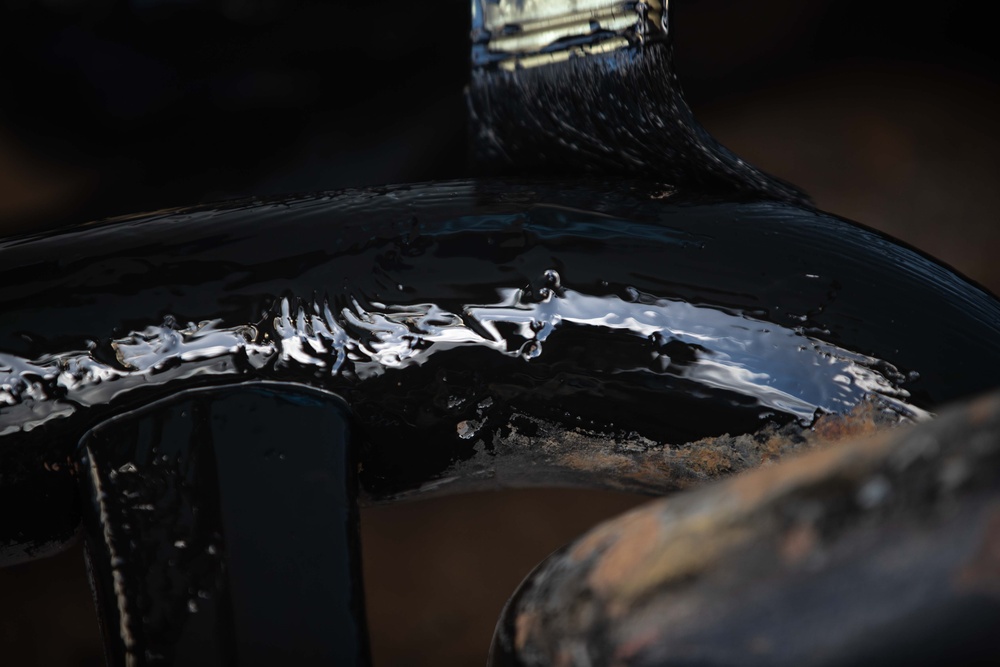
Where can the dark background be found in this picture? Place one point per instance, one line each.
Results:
(883, 111)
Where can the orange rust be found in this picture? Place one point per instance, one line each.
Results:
(635, 463)
(713, 457)
(982, 572)
(715, 521)
(663, 542)
(676, 560)
(644, 549)
(859, 422)
(598, 460)
(710, 458)
(653, 468)
(667, 542)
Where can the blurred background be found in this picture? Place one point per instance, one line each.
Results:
(883, 111)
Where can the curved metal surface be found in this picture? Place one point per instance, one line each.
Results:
(603, 332)
(479, 330)
(880, 551)
(221, 527)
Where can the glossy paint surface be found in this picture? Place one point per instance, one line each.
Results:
(221, 528)
(444, 312)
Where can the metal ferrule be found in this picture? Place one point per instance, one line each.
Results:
(513, 34)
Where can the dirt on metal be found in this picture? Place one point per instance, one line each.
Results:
(631, 462)
(848, 554)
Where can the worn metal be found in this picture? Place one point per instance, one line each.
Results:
(883, 550)
(531, 451)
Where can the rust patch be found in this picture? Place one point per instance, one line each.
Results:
(712, 457)
(642, 463)
(663, 543)
(550, 454)
(674, 560)
(602, 461)
(864, 420)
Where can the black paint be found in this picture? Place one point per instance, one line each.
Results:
(636, 123)
(454, 244)
(221, 528)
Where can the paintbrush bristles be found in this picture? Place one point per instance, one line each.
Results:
(617, 112)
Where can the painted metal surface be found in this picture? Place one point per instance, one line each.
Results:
(458, 318)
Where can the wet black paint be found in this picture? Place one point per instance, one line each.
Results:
(528, 121)
(455, 244)
(221, 528)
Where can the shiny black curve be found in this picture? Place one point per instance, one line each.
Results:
(455, 316)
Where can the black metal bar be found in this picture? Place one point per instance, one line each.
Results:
(221, 528)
